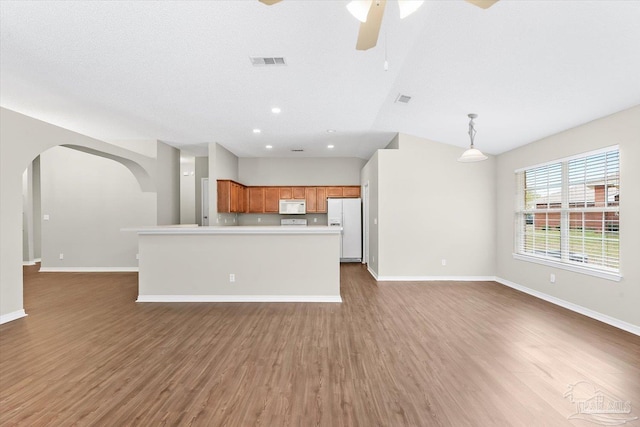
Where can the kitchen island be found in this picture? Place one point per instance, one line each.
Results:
(239, 264)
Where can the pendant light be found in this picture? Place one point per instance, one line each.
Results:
(472, 154)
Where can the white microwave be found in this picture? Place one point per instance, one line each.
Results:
(293, 207)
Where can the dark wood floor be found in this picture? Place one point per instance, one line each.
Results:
(393, 354)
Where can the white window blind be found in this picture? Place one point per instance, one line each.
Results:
(568, 212)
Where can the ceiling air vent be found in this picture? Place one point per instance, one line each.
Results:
(297, 150)
(259, 61)
(403, 98)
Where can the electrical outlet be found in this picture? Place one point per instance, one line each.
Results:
(259, 219)
(232, 277)
(45, 217)
(315, 219)
(375, 221)
(444, 261)
(552, 278)
(137, 256)
(61, 256)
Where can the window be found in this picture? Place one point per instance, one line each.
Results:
(568, 215)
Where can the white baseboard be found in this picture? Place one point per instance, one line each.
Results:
(435, 278)
(238, 298)
(620, 324)
(27, 263)
(87, 269)
(373, 273)
(12, 316)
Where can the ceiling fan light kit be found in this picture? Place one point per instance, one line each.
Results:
(472, 154)
(407, 7)
(369, 13)
(359, 9)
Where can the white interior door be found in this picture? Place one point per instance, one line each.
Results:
(205, 202)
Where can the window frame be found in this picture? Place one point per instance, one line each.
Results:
(522, 214)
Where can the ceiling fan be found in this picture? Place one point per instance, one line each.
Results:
(369, 13)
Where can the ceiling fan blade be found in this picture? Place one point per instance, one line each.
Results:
(368, 34)
(485, 4)
(269, 2)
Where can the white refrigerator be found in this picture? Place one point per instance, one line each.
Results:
(347, 213)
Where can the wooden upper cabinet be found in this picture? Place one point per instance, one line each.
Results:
(321, 200)
(231, 196)
(334, 191)
(311, 195)
(224, 196)
(351, 191)
(285, 193)
(236, 198)
(299, 193)
(256, 200)
(272, 199)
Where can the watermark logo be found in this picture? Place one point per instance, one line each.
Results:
(598, 406)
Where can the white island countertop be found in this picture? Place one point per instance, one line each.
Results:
(278, 229)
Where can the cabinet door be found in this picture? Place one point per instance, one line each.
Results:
(285, 193)
(311, 197)
(224, 194)
(237, 197)
(321, 200)
(351, 191)
(271, 199)
(299, 193)
(256, 199)
(334, 191)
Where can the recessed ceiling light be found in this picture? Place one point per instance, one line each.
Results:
(268, 147)
(257, 131)
(276, 110)
(331, 131)
(330, 146)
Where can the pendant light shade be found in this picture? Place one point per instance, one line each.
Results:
(472, 154)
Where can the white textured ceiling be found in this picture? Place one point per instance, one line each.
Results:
(180, 71)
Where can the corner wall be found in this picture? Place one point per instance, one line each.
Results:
(434, 208)
(88, 200)
(22, 139)
(223, 164)
(168, 184)
(618, 300)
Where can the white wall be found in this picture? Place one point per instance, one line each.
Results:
(168, 184)
(223, 164)
(202, 171)
(432, 207)
(88, 200)
(369, 176)
(300, 171)
(22, 139)
(187, 189)
(620, 300)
